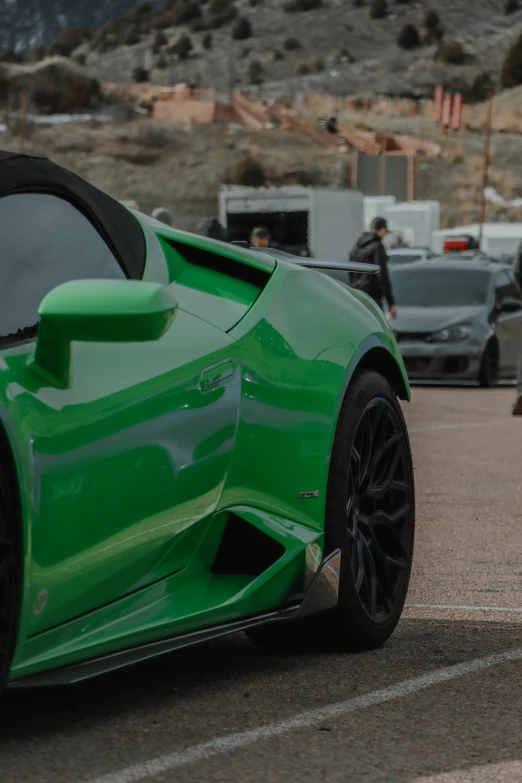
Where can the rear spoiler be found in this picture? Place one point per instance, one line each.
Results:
(314, 263)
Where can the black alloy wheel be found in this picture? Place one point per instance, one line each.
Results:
(379, 510)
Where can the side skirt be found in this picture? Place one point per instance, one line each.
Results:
(322, 595)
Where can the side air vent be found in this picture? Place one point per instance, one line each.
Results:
(244, 550)
(218, 263)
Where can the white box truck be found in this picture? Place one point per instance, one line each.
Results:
(322, 222)
(416, 221)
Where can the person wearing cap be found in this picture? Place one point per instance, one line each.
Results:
(164, 215)
(369, 249)
(260, 237)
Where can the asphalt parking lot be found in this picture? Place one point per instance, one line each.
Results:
(442, 702)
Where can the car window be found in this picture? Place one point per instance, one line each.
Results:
(439, 286)
(505, 287)
(404, 258)
(44, 241)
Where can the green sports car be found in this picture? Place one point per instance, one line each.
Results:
(195, 439)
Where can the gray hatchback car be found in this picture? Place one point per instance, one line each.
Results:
(458, 320)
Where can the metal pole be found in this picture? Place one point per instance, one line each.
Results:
(382, 173)
(411, 178)
(355, 165)
(485, 172)
(23, 109)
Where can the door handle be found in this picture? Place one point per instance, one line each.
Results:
(216, 374)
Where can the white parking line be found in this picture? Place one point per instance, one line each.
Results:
(207, 750)
(439, 427)
(504, 772)
(452, 608)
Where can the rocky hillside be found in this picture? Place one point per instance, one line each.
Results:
(25, 24)
(338, 46)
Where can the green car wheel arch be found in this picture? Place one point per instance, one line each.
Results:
(196, 439)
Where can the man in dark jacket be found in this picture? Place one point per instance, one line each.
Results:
(370, 250)
(517, 266)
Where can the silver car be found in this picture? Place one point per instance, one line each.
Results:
(458, 320)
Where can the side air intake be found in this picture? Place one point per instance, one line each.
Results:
(244, 550)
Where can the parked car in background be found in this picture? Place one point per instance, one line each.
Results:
(406, 255)
(458, 320)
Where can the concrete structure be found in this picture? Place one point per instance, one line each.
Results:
(414, 221)
(325, 221)
(374, 206)
(497, 238)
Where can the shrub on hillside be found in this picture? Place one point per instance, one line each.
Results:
(278, 55)
(480, 88)
(378, 9)
(207, 41)
(186, 12)
(249, 172)
(241, 29)
(409, 37)
(432, 28)
(451, 53)
(403, 2)
(160, 39)
(431, 20)
(255, 72)
(131, 35)
(303, 69)
(511, 74)
(255, 2)
(183, 47)
(511, 6)
(8, 55)
(219, 6)
(292, 44)
(68, 39)
(294, 6)
(139, 74)
(358, 3)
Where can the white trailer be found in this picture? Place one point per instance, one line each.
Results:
(326, 222)
(415, 221)
(498, 239)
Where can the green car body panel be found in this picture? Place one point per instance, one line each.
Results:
(147, 413)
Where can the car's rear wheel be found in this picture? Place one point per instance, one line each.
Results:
(10, 577)
(488, 372)
(370, 517)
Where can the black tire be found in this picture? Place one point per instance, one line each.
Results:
(10, 572)
(488, 372)
(373, 526)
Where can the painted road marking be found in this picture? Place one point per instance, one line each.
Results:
(439, 427)
(207, 750)
(505, 772)
(451, 608)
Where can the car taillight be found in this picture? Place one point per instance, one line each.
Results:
(452, 245)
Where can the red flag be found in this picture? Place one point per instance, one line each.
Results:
(446, 110)
(437, 103)
(456, 114)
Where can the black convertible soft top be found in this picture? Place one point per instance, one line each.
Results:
(119, 228)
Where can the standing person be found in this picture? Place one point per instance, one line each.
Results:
(260, 237)
(370, 250)
(212, 228)
(164, 215)
(517, 266)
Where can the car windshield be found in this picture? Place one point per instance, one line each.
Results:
(442, 287)
(404, 258)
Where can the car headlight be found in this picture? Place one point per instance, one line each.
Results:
(452, 334)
